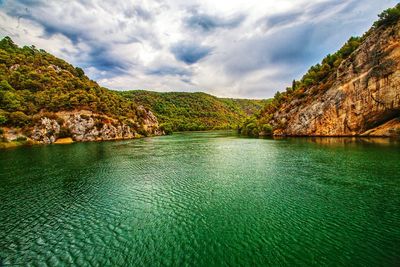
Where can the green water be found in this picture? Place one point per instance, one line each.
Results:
(202, 199)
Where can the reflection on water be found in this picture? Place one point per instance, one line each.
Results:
(202, 199)
(343, 140)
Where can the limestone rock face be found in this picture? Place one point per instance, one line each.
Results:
(46, 131)
(365, 93)
(84, 126)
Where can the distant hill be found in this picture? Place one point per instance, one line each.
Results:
(353, 92)
(180, 111)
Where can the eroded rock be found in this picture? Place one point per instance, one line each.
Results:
(365, 93)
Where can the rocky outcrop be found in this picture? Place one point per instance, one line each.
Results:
(87, 126)
(364, 94)
(388, 129)
(46, 131)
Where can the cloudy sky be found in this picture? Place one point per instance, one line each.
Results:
(230, 48)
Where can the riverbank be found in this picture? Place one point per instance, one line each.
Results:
(316, 139)
(60, 141)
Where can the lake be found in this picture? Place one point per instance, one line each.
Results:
(202, 199)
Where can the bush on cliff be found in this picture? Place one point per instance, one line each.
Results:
(388, 17)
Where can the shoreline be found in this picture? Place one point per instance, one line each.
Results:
(68, 140)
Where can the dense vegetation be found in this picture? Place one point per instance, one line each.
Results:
(388, 17)
(178, 111)
(33, 81)
(319, 78)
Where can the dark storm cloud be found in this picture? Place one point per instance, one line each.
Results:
(208, 22)
(99, 47)
(168, 70)
(100, 57)
(297, 41)
(288, 47)
(22, 9)
(190, 53)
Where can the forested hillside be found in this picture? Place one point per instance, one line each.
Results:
(33, 80)
(43, 98)
(179, 111)
(35, 85)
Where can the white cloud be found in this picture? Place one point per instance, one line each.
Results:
(242, 48)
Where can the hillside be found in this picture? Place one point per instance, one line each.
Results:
(43, 98)
(354, 92)
(179, 111)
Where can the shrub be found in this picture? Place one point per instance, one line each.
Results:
(21, 138)
(64, 132)
(99, 124)
(142, 132)
(5, 86)
(3, 119)
(254, 132)
(267, 129)
(85, 117)
(388, 17)
(18, 118)
(167, 128)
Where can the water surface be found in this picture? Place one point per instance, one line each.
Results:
(202, 199)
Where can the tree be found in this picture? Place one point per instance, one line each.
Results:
(5, 86)
(267, 129)
(3, 119)
(6, 43)
(388, 17)
(10, 101)
(80, 72)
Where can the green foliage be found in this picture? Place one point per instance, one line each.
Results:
(388, 17)
(167, 128)
(254, 127)
(179, 111)
(319, 73)
(18, 118)
(64, 132)
(267, 129)
(79, 72)
(10, 101)
(21, 139)
(3, 119)
(33, 81)
(5, 86)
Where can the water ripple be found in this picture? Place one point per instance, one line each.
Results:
(201, 199)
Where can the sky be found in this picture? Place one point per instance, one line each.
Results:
(228, 48)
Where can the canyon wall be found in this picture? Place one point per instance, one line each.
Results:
(363, 99)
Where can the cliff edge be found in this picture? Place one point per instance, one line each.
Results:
(354, 92)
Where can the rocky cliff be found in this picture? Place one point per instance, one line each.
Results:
(84, 125)
(363, 97)
(44, 99)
